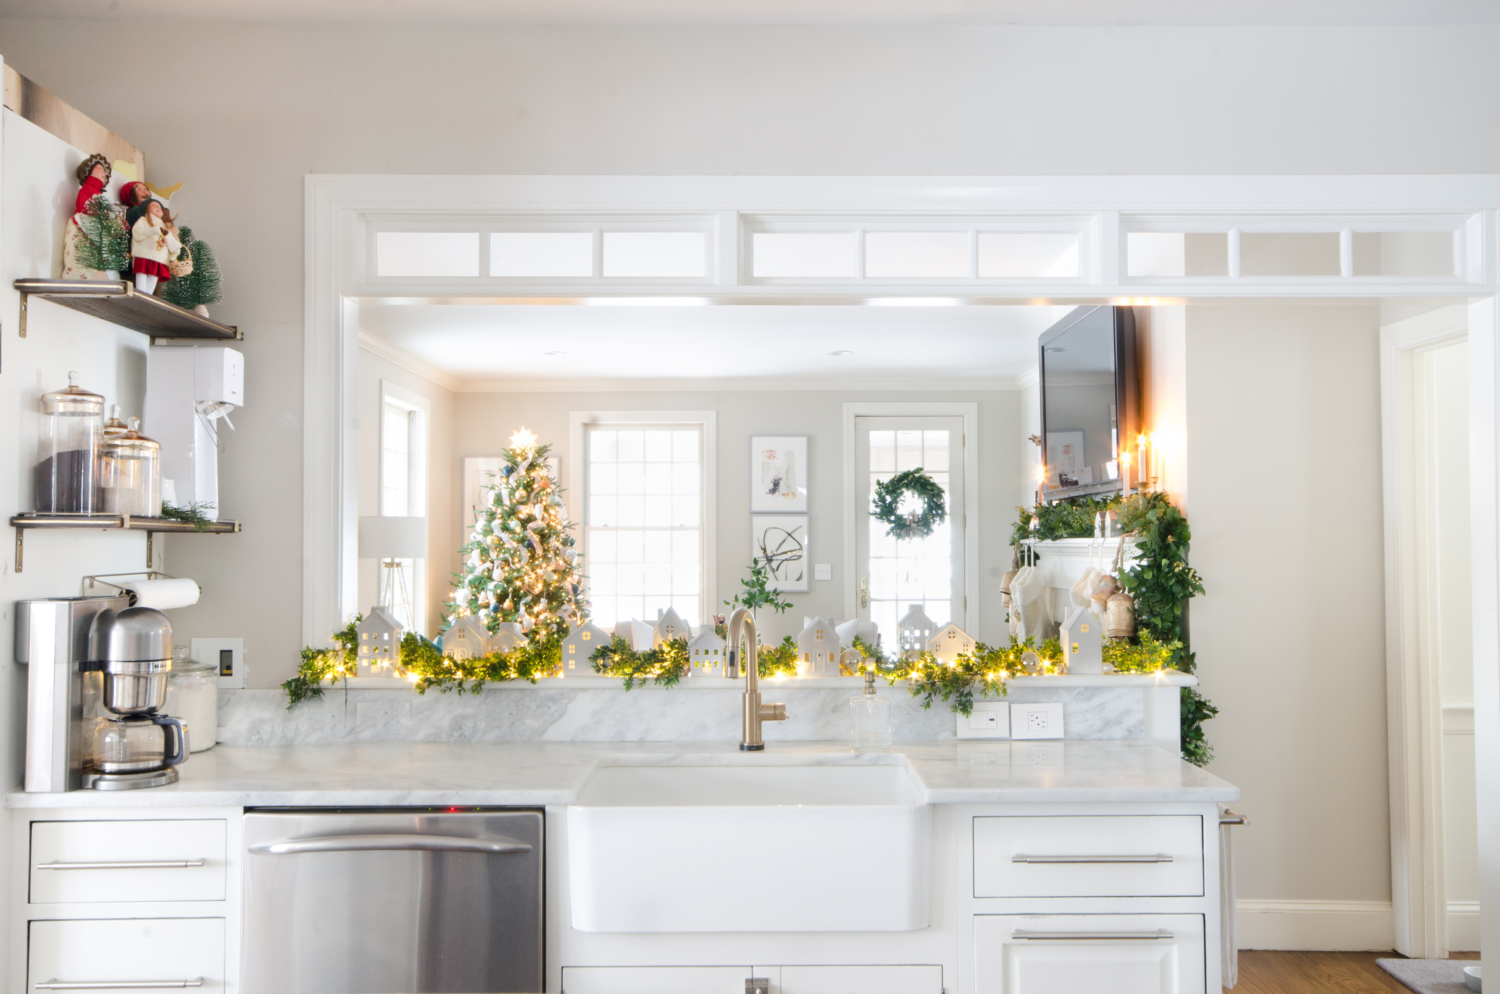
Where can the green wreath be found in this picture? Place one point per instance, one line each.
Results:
(913, 524)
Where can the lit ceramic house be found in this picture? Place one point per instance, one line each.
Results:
(818, 649)
(1083, 642)
(706, 653)
(949, 643)
(580, 645)
(467, 639)
(637, 634)
(507, 636)
(915, 630)
(669, 626)
(379, 635)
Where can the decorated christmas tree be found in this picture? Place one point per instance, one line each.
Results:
(105, 244)
(200, 287)
(522, 564)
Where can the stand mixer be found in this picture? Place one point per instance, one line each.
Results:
(136, 745)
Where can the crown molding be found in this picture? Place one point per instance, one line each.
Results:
(410, 363)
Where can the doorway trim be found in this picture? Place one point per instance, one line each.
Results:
(1414, 738)
(970, 413)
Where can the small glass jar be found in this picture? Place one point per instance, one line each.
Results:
(114, 426)
(130, 473)
(193, 696)
(869, 719)
(66, 475)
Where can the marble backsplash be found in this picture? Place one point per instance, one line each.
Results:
(567, 711)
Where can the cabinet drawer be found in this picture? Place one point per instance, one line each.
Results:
(117, 861)
(172, 952)
(655, 979)
(1089, 856)
(1066, 954)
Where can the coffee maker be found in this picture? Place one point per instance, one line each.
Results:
(96, 684)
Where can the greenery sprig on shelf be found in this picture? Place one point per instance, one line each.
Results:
(192, 514)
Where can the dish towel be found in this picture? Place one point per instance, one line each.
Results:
(1229, 951)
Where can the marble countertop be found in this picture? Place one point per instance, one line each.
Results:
(396, 774)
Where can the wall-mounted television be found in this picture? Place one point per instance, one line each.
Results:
(1090, 400)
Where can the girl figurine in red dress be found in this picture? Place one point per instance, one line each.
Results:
(153, 242)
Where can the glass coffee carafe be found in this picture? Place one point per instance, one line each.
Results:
(138, 743)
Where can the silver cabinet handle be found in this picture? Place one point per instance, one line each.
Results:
(125, 864)
(117, 985)
(378, 843)
(1233, 818)
(1160, 857)
(1160, 933)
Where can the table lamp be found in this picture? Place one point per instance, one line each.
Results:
(392, 539)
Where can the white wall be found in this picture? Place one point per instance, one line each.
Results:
(1283, 414)
(484, 421)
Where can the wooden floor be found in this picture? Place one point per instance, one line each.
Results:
(1319, 973)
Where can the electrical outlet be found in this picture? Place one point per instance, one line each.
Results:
(988, 720)
(229, 654)
(1036, 721)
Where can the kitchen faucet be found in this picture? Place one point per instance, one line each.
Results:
(754, 712)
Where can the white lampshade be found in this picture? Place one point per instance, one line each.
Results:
(392, 538)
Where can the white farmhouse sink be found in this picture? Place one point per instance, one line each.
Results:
(749, 849)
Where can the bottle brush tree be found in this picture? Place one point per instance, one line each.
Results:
(203, 285)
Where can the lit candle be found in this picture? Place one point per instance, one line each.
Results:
(1125, 469)
(1156, 462)
(1141, 464)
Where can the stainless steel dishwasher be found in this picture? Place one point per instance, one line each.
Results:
(380, 901)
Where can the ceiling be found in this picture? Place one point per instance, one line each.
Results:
(1051, 12)
(487, 346)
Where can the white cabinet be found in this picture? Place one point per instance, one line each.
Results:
(1068, 954)
(655, 979)
(127, 861)
(860, 980)
(1089, 856)
(731, 979)
(133, 952)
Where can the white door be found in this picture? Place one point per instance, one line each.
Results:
(893, 575)
(860, 980)
(655, 979)
(1069, 954)
(176, 953)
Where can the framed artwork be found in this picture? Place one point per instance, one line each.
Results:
(480, 472)
(779, 542)
(1065, 465)
(778, 474)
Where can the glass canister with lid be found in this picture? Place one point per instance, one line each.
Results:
(130, 473)
(193, 696)
(66, 475)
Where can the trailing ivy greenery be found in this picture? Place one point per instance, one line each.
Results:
(1161, 583)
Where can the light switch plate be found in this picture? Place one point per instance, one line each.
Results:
(1036, 721)
(989, 720)
(229, 654)
(822, 571)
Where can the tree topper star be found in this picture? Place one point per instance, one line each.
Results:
(523, 440)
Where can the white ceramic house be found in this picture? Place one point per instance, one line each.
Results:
(915, 629)
(706, 653)
(1083, 642)
(507, 636)
(379, 639)
(855, 628)
(949, 643)
(818, 649)
(580, 645)
(637, 634)
(669, 626)
(467, 638)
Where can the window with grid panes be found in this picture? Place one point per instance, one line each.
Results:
(643, 522)
(910, 571)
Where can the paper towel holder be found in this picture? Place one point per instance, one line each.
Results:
(131, 595)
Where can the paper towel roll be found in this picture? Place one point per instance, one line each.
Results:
(162, 594)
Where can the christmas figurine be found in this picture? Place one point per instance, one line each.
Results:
(95, 242)
(134, 194)
(153, 243)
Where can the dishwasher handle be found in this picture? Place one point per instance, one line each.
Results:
(492, 846)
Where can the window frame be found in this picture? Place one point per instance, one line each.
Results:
(419, 410)
(577, 462)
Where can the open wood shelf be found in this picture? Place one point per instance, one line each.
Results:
(118, 522)
(118, 302)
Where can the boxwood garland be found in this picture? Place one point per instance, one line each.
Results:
(887, 504)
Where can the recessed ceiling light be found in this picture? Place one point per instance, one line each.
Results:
(842, 352)
(554, 353)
